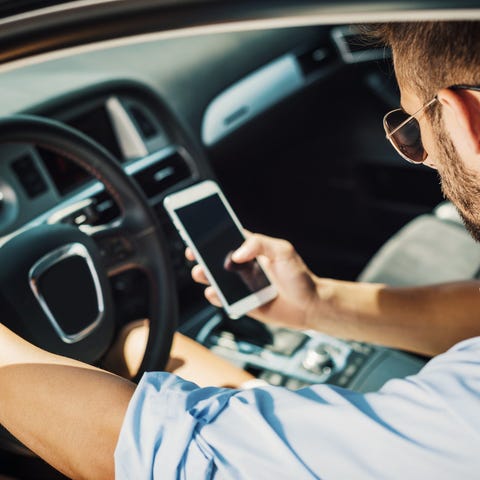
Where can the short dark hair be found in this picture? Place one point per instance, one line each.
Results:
(429, 56)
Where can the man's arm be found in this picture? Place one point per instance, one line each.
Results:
(67, 412)
(426, 320)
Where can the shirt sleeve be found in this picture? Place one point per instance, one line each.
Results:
(425, 426)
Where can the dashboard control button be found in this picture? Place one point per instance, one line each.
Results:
(318, 359)
(115, 249)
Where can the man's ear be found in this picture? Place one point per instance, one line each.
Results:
(461, 113)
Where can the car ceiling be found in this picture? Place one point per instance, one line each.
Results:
(165, 65)
(8, 8)
(81, 22)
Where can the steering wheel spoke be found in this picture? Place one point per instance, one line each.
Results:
(117, 247)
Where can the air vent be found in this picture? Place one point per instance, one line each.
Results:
(144, 122)
(29, 176)
(104, 209)
(163, 175)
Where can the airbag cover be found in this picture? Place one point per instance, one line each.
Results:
(58, 295)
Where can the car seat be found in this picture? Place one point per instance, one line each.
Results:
(433, 248)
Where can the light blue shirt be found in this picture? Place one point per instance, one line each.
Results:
(426, 426)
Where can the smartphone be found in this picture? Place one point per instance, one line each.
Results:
(208, 225)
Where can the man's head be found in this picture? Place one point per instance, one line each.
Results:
(429, 57)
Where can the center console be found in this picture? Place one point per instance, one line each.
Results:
(295, 359)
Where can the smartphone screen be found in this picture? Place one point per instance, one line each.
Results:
(216, 237)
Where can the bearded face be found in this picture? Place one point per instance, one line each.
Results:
(459, 184)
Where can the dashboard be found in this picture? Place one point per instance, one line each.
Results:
(129, 120)
(35, 180)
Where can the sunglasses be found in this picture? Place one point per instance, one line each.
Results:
(403, 130)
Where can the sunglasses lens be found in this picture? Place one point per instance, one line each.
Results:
(407, 139)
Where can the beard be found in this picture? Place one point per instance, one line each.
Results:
(459, 184)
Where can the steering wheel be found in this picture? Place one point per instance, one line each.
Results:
(54, 287)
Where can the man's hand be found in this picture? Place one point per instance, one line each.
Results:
(427, 319)
(297, 292)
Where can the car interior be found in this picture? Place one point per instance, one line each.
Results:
(288, 121)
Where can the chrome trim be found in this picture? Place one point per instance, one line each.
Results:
(143, 163)
(129, 139)
(69, 210)
(45, 263)
(163, 174)
(90, 230)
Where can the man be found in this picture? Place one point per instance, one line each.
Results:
(425, 426)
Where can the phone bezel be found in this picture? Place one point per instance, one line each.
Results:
(193, 194)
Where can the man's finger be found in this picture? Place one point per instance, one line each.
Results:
(199, 276)
(212, 297)
(256, 245)
(189, 254)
